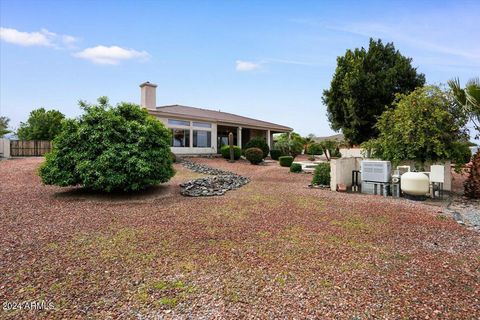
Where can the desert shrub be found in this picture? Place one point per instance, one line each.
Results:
(289, 147)
(321, 175)
(254, 155)
(275, 154)
(110, 148)
(472, 184)
(225, 151)
(296, 167)
(285, 161)
(315, 149)
(258, 143)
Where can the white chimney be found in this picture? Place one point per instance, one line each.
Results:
(148, 93)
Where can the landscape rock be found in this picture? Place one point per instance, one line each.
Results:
(218, 185)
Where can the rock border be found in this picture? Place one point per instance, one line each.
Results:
(221, 182)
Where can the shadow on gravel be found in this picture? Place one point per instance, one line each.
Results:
(151, 193)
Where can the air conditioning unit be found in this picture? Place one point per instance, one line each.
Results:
(376, 171)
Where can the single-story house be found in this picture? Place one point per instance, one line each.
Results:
(203, 131)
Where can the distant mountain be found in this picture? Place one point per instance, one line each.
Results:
(338, 137)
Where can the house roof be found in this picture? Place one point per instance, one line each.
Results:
(218, 116)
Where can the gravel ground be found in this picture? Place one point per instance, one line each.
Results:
(271, 249)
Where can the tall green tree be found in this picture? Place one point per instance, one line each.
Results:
(468, 99)
(4, 126)
(422, 128)
(41, 125)
(364, 82)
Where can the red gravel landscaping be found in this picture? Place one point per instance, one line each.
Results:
(271, 249)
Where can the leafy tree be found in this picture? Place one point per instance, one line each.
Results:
(290, 147)
(364, 82)
(421, 127)
(4, 126)
(468, 99)
(110, 148)
(41, 125)
(330, 148)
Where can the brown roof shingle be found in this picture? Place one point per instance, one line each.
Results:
(218, 116)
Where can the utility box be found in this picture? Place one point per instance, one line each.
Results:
(437, 173)
(376, 171)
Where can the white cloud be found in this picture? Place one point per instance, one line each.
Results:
(43, 38)
(110, 55)
(243, 66)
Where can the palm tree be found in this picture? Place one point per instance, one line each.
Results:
(468, 99)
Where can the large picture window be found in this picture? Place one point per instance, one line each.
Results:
(202, 124)
(202, 139)
(179, 122)
(181, 138)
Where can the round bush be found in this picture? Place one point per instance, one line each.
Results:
(110, 148)
(285, 161)
(225, 151)
(321, 175)
(296, 167)
(315, 149)
(275, 154)
(258, 143)
(254, 155)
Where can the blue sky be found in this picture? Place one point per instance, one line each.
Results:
(269, 60)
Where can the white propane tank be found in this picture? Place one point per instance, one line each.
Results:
(415, 183)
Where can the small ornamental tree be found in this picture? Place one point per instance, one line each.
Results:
(420, 128)
(41, 125)
(258, 143)
(472, 184)
(110, 148)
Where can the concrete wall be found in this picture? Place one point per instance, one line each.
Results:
(4, 148)
(341, 171)
(351, 152)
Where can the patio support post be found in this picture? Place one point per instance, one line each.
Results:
(269, 141)
(239, 137)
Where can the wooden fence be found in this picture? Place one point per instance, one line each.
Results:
(29, 148)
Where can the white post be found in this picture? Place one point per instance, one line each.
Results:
(5, 148)
(269, 141)
(239, 137)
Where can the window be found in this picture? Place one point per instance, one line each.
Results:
(179, 122)
(202, 124)
(202, 139)
(180, 138)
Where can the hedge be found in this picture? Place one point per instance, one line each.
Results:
(285, 161)
(225, 151)
(254, 155)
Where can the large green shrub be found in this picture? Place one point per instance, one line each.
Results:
(285, 161)
(110, 148)
(321, 175)
(258, 143)
(254, 155)
(275, 154)
(296, 167)
(225, 151)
